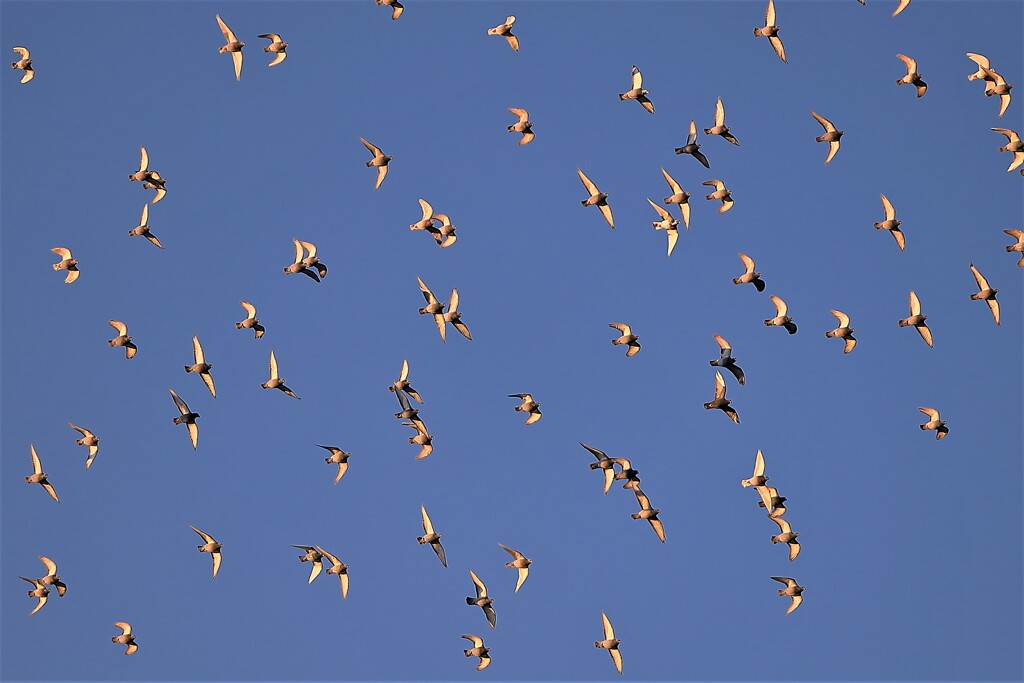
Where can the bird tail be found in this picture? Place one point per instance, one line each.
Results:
(470, 601)
(679, 150)
(622, 97)
(759, 285)
(1009, 249)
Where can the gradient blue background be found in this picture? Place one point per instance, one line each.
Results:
(912, 549)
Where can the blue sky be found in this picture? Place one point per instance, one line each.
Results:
(912, 548)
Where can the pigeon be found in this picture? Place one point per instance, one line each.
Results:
(725, 360)
(88, 439)
(39, 592)
(721, 402)
(667, 223)
(610, 642)
(842, 331)
(831, 136)
(912, 76)
(1013, 144)
(529, 406)
(187, 418)
(143, 229)
(233, 45)
(505, 31)
(603, 463)
(749, 276)
(66, 263)
(720, 128)
(379, 160)
(520, 563)
(596, 198)
(211, 546)
(649, 513)
(482, 600)
(781, 319)
(24, 64)
(312, 555)
(891, 224)
(691, 147)
(934, 423)
(626, 338)
(277, 46)
(339, 457)
(721, 193)
(987, 294)
(917, 320)
(431, 537)
(337, 567)
(201, 367)
(787, 536)
(792, 590)
(771, 31)
(126, 637)
(523, 125)
(251, 322)
(275, 381)
(679, 197)
(636, 92)
(478, 650)
(122, 339)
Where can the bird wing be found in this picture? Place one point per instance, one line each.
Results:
(298, 250)
(512, 551)
(126, 628)
(588, 183)
(439, 551)
(229, 35)
(205, 536)
(453, 301)
(83, 431)
(606, 211)
(784, 579)
(273, 366)
(63, 252)
(931, 413)
(599, 454)
(621, 327)
(766, 497)
(672, 184)
(659, 528)
(833, 149)
(51, 566)
(993, 306)
(642, 499)
(197, 350)
(481, 589)
(748, 263)
(979, 278)
(723, 344)
(427, 294)
(236, 58)
(23, 51)
(616, 658)
(776, 44)
(315, 570)
(182, 406)
(825, 123)
(428, 528)
(374, 150)
(523, 115)
(899, 8)
(691, 137)
(476, 640)
(980, 60)
(208, 381)
(428, 210)
(638, 78)
(193, 434)
(333, 558)
(890, 211)
(759, 464)
(249, 308)
(797, 599)
(915, 304)
(780, 305)
(925, 333)
(37, 467)
(121, 328)
(144, 158)
(272, 37)
(844, 320)
(719, 113)
(719, 385)
(769, 14)
(665, 216)
(606, 625)
(909, 63)
(216, 557)
(783, 524)
(523, 573)
(309, 247)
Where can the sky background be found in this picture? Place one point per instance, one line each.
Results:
(912, 548)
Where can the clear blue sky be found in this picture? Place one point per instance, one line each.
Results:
(912, 548)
